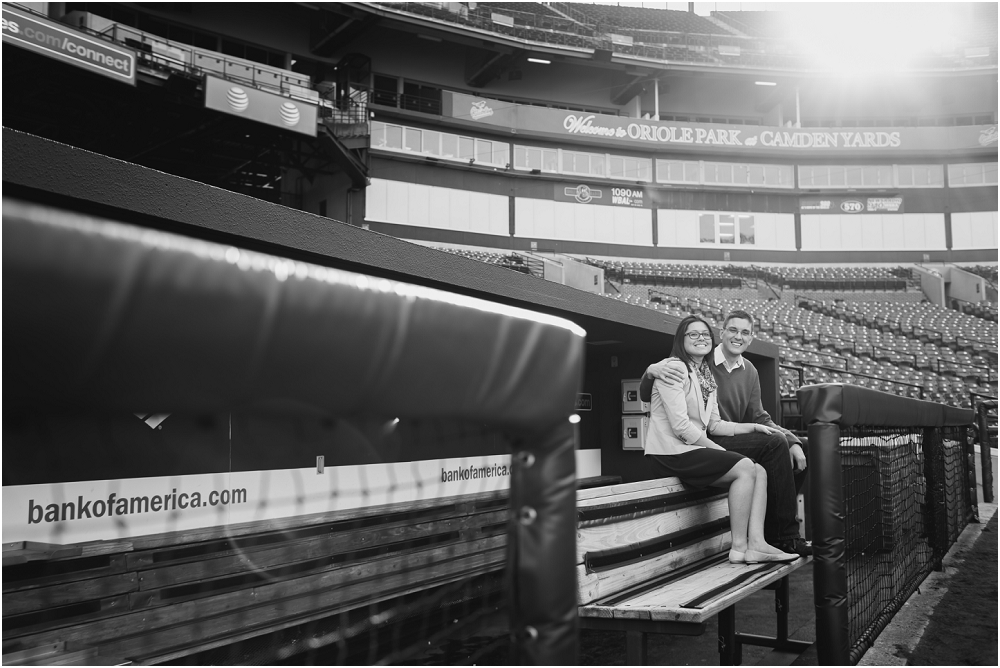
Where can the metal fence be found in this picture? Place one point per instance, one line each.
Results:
(892, 486)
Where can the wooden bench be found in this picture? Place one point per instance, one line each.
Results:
(652, 557)
(157, 598)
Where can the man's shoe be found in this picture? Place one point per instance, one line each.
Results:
(798, 546)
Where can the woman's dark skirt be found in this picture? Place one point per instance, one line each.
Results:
(699, 468)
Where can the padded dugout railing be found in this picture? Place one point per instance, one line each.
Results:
(106, 316)
(892, 485)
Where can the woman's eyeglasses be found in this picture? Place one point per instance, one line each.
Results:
(694, 336)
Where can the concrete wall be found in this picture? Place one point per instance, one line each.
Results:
(965, 285)
(582, 276)
(932, 285)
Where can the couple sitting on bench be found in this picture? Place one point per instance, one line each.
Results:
(742, 450)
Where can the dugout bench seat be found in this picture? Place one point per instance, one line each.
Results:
(652, 557)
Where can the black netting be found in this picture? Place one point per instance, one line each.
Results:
(905, 502)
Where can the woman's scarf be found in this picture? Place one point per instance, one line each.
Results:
(705, 379)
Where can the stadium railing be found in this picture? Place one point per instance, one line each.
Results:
(236, 330)
(892, 485)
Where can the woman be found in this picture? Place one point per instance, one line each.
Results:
(682, 417)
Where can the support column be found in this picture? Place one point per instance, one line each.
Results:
(656, 99)
(541, 549)
(829, 573)
(798, 109)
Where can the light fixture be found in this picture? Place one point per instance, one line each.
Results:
(540, 61)
(574, 419)
(428, 38)
(765, 83)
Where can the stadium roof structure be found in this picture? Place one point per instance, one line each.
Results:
(805, 39)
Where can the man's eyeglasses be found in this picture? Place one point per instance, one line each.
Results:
(694, 336)
(744, 332)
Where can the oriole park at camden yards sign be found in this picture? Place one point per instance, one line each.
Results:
(608, 130)
(68, 45)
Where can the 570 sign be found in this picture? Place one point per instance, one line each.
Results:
(837, 205)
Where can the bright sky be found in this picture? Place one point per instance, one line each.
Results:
(855, 37)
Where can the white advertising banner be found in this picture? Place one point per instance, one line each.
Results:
(244, 100)
(38, 34)
(75, 512)
(527, 120)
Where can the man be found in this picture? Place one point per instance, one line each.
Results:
(739, 401)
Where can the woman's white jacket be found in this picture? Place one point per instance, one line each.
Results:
(678, 417)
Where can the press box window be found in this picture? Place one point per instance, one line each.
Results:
(846, 176)
(726, 228)
(964, 175)
(706, 224)
(724, 173)
(747, 236)
(438, 144)
(920, 176)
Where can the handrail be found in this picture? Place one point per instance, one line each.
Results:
(796, 327)
(699, 301)
(989, 397)
(895, 352)
(853, 342)
(985, 278)
(914, 328)
(813, 352)
(552, 259)
(797, 297)
(797, 369)
(121, 32)
(970, 340)
(661, 293)
(776, 292)
(938, 361)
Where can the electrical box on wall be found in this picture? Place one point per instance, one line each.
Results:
(634, 432)
(630, 398)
